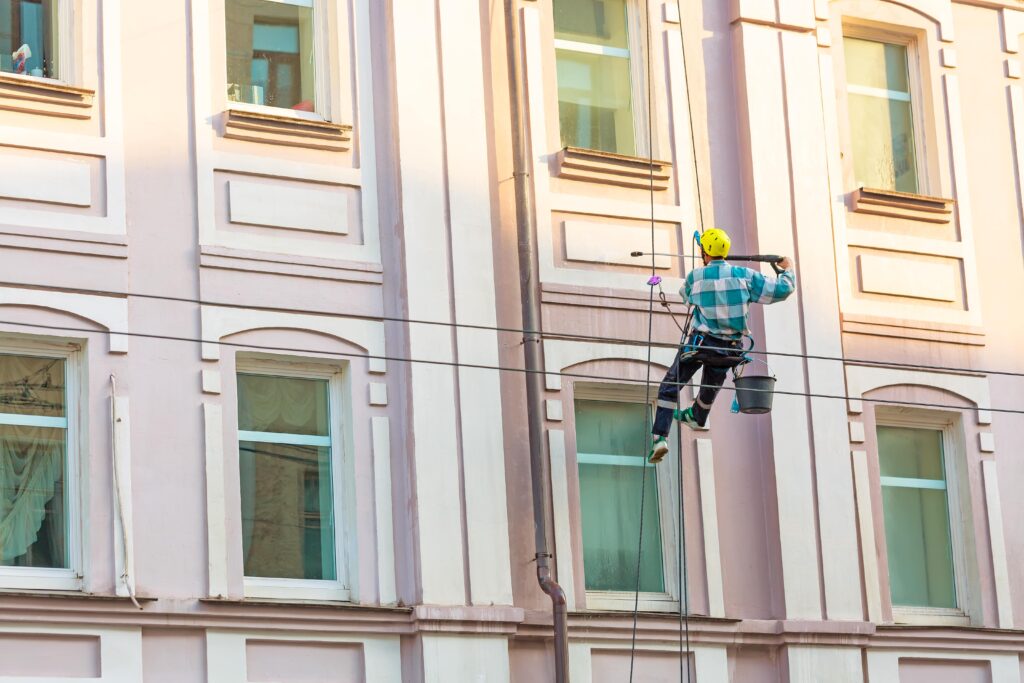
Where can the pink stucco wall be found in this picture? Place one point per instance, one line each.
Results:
(155, 279)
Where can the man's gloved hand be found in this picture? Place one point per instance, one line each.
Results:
(786, 263)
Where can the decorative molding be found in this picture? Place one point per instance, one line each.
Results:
(915, 207)
(948, 56)
(291, 131)
(594, 166)
(554, 410)
(120, 651)
(856, 432)
(670, 12)
(384, 516)
(709, 519)
(997, 540)
(230, 258)
(221, 321)
(124, 529)
(987, 442)
(710, 662)
(226, 653)
(861, 379)
(561, 354)
(883, 664)
(211, 381)
(1013, 27)
(291, 206)
(824, 36)
(560, 513)
(378, 394)
(1013, 69)
(866, 525)
(216, 512)
(46, 180)
(111, 313)
(606, 243)
(933, 280)
(45, 97)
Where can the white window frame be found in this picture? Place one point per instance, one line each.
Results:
(916, 97)
(667, 476)
(321, 67)
(65, 44)
(960, 531)
(340, 589)
(636, 18)
(70, 578)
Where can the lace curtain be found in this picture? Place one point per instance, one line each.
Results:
(31, 464)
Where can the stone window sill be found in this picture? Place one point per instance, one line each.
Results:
(44, 96)
(914, 207)
(594, 166)
(279, 129)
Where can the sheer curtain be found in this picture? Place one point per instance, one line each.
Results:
(31, 465)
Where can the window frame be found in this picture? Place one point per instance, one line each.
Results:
(636, 18)
(957, 498)
(65, 43)
(322, 67)
(668, 503)
(70, 579)
(926, 181)
(341, 588)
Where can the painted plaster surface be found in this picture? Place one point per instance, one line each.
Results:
(161, 246)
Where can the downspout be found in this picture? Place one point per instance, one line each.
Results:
(532, 352)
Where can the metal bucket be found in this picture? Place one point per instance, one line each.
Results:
(754, 393)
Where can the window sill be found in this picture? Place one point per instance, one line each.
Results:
(38, 579)
(892, 204)
(929, 616)
(625, 601)
(44, 96)
(260, 125)
(594, 166)
(293, 590)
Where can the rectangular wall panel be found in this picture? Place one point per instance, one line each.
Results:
(607, 243)
(45, 180)
(936, 280)
(287, 206)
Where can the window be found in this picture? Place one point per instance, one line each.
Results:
(595, 75)
(881, 115)
(917, 517)
(37, 494)
(28, 30)
(288, 470)
(611, 445)
(271, 53)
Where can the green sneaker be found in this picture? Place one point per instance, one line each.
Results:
(686, 417)
(659, 451)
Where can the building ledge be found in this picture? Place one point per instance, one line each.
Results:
(594, 166)
(45, 96)
(906, 205)
(290, 131)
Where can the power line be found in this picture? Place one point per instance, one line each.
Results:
(481, 366)
(568, 336)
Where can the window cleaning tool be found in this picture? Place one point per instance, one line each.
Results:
(759, 258)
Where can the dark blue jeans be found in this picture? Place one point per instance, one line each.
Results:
(716, 356)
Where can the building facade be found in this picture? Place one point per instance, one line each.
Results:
(262, 403)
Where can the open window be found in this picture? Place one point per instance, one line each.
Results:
(611, 450)
(290, 467)
(39, 510)
(274, 56)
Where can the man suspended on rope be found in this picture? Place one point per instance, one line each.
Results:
(720, 295)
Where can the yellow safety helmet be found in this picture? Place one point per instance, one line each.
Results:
(715, 243)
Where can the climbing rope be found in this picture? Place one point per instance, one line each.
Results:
(655, 281)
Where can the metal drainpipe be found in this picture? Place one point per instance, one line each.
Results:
(532, 348)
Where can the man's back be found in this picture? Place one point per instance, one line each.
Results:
(722, 293)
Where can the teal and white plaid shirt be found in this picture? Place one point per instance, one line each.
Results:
(722, 293)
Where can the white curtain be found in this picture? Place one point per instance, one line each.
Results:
(30, 467)
(281, 404)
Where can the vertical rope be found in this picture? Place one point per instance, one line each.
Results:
(648, 421)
